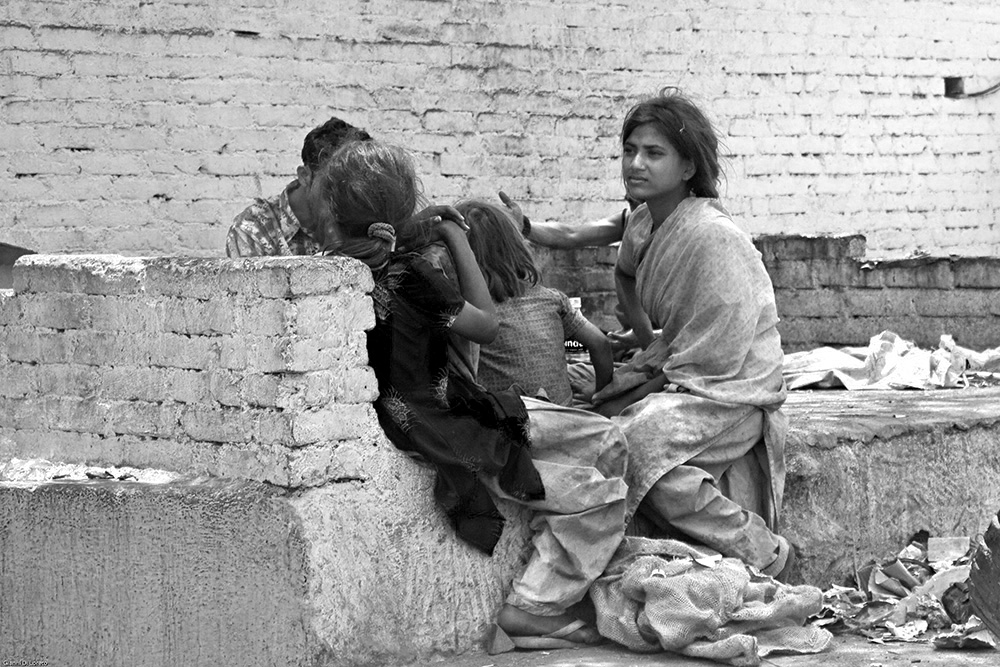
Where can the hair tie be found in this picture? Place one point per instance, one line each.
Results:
(384, 231)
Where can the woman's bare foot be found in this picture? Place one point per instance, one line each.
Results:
(519, 623)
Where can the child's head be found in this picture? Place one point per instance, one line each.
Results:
(688, 131)
(499, 248)
(373, 191)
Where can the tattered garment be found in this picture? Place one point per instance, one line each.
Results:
(699, 279)
(664, 595)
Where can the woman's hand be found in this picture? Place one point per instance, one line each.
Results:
(432, 215)
(449, 232)
(629, 339)
(514, 209)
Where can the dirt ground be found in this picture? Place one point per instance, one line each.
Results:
(845, 651)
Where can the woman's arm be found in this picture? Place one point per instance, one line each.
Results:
(634, 315)
(477, 320)
(565, 236)
(599, 347)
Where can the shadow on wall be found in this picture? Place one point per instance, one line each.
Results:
(8, 255)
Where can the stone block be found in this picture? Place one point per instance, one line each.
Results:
(10, 309)
(83, 274)
(927, 273)
(796, 303)
(957, 302)
(333, 422)
(245, 573)
(976, 272)
(183, 351)
(234, 425)
(18, 379)
(20, 344)
(143, 418)
(794, 247)
(318, 388)
(792, 274)
(201, 317)
(867, 472)
(105, 348)
(54, 311)
(68, 380)
(320, 315)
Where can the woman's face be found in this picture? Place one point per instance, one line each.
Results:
(652, 168)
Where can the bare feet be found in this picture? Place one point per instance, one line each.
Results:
(519, 623)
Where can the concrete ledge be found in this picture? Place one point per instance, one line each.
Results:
(223, 572)
(867, 470)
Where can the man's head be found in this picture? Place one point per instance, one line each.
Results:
(323, 141)
(319, 145)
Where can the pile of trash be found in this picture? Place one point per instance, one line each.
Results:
(921, 594)
(890, 362)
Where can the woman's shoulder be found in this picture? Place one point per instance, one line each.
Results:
(712, 223)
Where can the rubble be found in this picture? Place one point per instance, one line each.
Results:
(924, 593)
(890, 362)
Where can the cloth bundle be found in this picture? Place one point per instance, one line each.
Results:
(661, 595)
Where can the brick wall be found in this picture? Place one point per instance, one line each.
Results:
(828, 294)
(142, 128)
(254, 369)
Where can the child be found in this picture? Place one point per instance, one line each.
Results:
(565, 465)
(535, 321)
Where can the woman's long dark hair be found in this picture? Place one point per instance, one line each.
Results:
(687, 129)
(499, 248)
(369, 182)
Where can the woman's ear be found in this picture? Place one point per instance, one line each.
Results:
(689, 170)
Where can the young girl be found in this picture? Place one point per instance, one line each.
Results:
(699, 404)
(535, 321)
(564, 464)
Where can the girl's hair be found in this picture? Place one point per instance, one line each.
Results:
(688, 131)
(499, 248)
(367, 183)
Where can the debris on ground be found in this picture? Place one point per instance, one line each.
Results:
(984, 578)
(890, 362)
(921, 594)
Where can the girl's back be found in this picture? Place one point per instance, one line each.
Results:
(529, 349)
(535, 321)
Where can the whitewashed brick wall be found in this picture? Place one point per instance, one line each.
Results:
(252, 368)
(143, 127)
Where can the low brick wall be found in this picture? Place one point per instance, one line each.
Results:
(827, 293)
(254, 369)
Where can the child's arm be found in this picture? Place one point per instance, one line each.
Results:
(634, 315)
(477, 321)
(599, 347)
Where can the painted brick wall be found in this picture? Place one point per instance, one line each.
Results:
(253, 368)
(142, 127)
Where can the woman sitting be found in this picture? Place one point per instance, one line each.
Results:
(699, 404)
